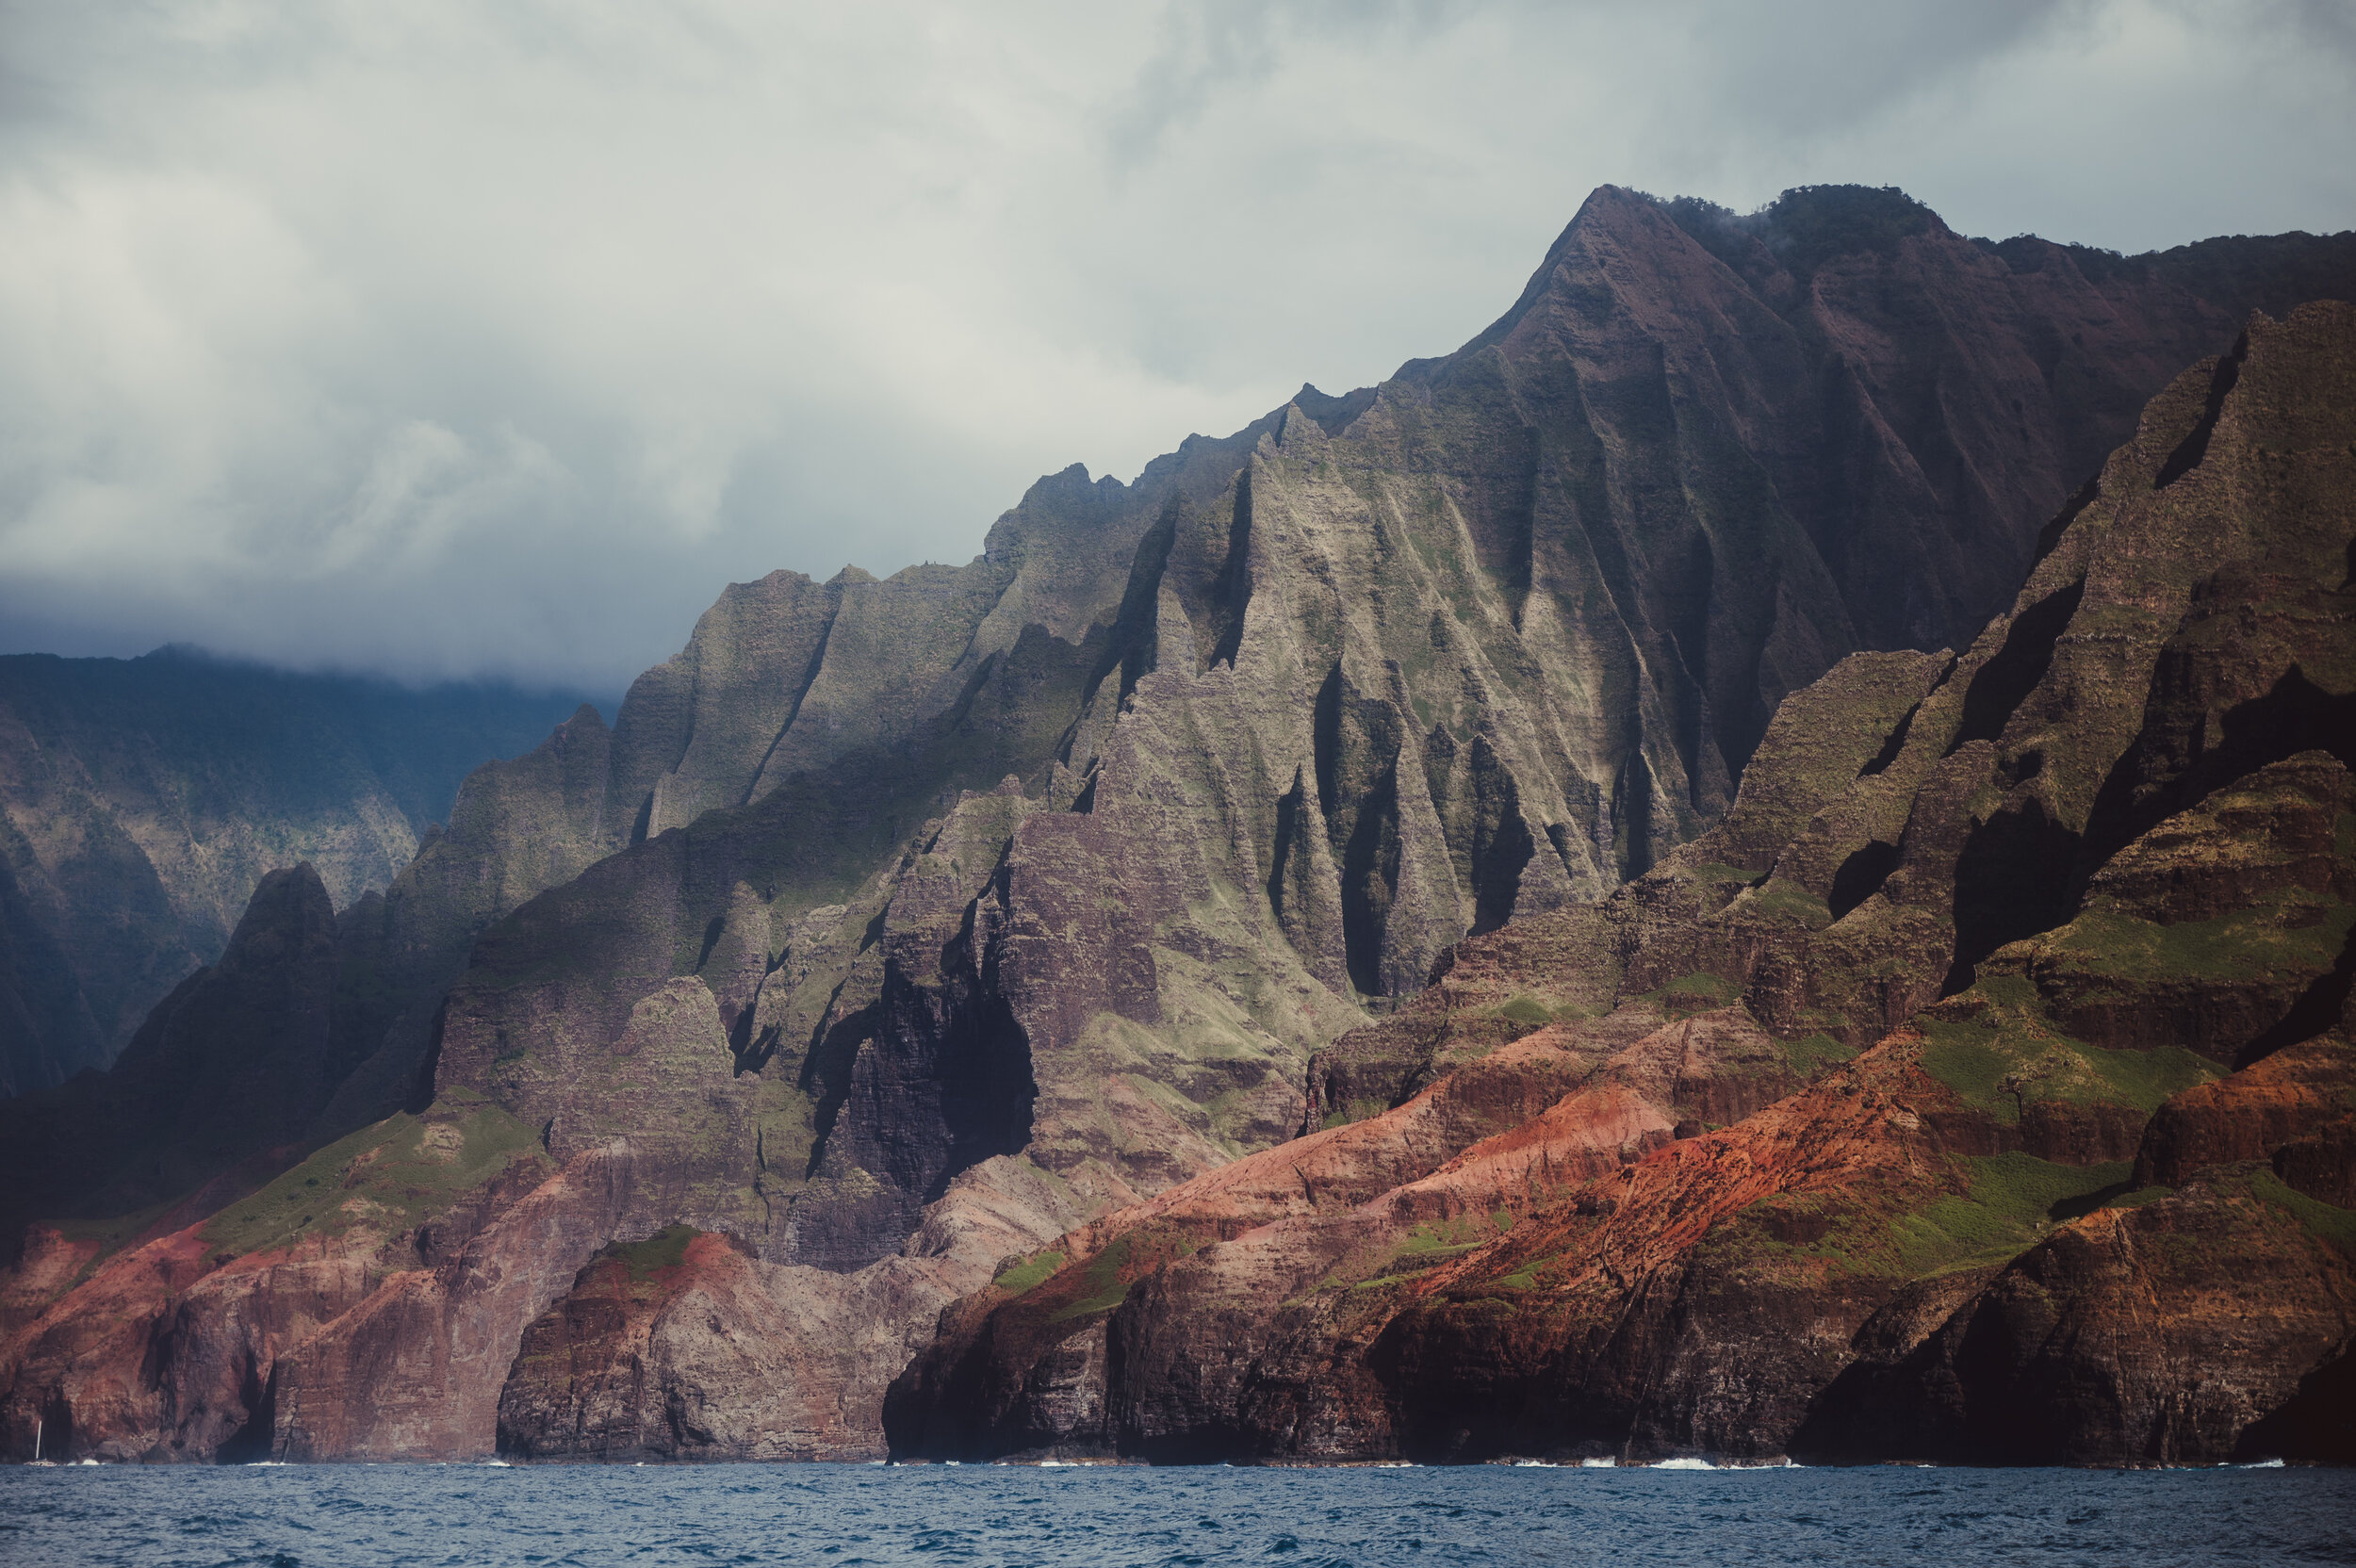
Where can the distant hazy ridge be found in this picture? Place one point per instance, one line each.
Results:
(142, 800)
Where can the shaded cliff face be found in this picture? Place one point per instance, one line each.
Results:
(235, 1064)
(141, 801)
(2082, 894)
(896, 927)
(312, 1022)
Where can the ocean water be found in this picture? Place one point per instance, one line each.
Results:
(479, 1516)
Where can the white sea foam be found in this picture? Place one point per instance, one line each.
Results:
(1684, 1464)
(1600, 1464)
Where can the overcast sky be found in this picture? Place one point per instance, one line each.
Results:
(481, 338)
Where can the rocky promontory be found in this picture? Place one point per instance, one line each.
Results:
(2056, 1167)
(1187, 978)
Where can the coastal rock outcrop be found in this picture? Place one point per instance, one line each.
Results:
(2074, 1200)
(995, 932)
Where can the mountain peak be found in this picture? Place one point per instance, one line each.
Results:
(1807, 226)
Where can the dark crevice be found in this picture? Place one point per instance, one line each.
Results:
(255, 1436)
(2194, 447)
(1999, 686)
(1895, 745)
(752, 1052)
(1861, 876)
(1559, 835)
(1290, 808)
(1231, 594)
(826, 1073)
(1357, 743)
(1631, 816)
(2316, 1423)
(2011, 881)
(422, 1089)
(2295, 715)
(2318, 1009)
(56, 1416)
(1325, 724)
(2051, 535)
(963, 708)
(1131, 649)
(1892, 746)
(980, 1057)
(1522, 541)
(1498, 872)
(1129, 642)
(1501, 843)
(1369, 867)
(930, 1079)
(801, 691)
(712, 928)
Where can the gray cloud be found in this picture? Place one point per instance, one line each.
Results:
(453, 338)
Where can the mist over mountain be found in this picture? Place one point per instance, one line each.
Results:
(1547, 784)
(143, 800)
(488, 339)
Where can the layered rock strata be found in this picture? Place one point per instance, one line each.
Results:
(897, 927)
(2083, 895)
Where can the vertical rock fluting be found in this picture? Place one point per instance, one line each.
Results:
(2115, 832)
(1062, 864)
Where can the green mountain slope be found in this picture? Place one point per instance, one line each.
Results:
(897, 927)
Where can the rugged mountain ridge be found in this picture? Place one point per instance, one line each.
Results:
(2082, 894)
(896, 927)
(143, 800)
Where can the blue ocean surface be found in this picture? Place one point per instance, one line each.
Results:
(479, 1516)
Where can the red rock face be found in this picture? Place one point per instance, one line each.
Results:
(596, 1377)
(162, 1354)
(902, 927)
(2284, 1100)
(2165, 1333)
(45, 1269)
(1976, 1241)
(715, 1356)
(173, 1346)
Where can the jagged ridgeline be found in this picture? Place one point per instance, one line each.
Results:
(143, 800)
(898, 926)
(1980, 1089)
